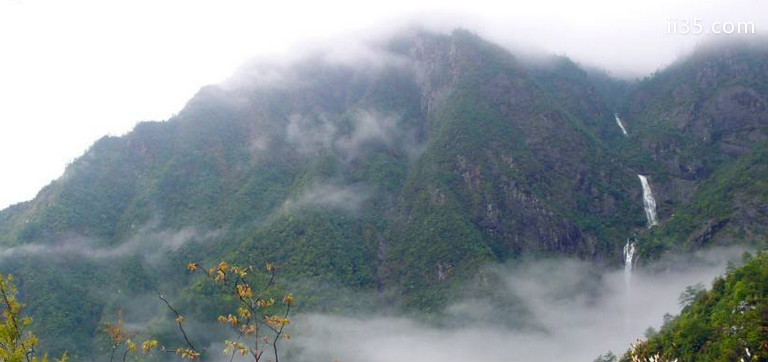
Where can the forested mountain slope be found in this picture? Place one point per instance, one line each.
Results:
(396, 174)
(727, 323)
(704, 123)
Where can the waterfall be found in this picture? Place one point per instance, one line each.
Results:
(618, 121)
(629, 255)
(629, 259)
(649, 203)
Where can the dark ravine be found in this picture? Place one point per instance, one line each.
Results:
(400, 177)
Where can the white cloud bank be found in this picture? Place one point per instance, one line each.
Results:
(151, 244)
(578, 315)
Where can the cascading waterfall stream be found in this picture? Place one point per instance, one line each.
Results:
(618, 121)
(629, 256)
(649, 203)
(629, 259)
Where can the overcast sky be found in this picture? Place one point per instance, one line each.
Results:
(72, 71)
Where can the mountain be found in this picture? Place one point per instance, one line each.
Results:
(397, 175)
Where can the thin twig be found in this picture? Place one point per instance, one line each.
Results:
(239, 335)
(179, 319)
(277, 335)
(112, 356)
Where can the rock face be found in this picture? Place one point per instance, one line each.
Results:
(704, 123)
(405, 171)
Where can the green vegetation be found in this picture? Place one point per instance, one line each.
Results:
(726, 208)
(727, 323)
(17, 342)
(394, 179)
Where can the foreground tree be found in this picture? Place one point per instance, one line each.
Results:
(258, 320)
(17, 344)
(120, 338)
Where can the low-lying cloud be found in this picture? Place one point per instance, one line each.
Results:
(369, 127)
(149, 243)
(311, 135)
(573, 312)
(328, 195)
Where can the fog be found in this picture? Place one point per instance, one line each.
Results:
(524, 311)
(570, 312)
(328, 195)
(347, 137)
(149, 242)
(74, 71)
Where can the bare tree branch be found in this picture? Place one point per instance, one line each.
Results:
(179, 319)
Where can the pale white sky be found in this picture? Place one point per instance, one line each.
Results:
(72, 71)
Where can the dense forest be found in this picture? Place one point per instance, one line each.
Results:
(729, 322)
